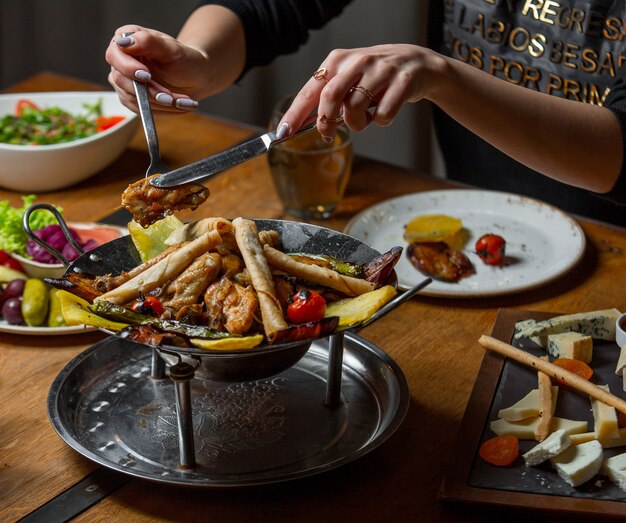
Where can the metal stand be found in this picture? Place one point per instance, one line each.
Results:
(157, 368)
(335, 366)
(181, 374)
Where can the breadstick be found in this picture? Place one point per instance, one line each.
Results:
(545, 404)
(569, 378)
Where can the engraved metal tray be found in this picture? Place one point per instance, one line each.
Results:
(105, 405)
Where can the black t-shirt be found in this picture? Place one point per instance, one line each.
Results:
(572, 49)
(569, 48)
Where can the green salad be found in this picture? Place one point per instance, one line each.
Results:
(34, 125)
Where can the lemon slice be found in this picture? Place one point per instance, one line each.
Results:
(235, 343)
(431, 228)
(151, 241)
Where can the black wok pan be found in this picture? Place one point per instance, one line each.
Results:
(241, 365)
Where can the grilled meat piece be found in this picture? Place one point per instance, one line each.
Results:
(440, 261)
(149, 204)
(187, 288)
(230, 306)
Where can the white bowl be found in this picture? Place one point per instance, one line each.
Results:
(101, 233)
(40, 168)
(620, 330)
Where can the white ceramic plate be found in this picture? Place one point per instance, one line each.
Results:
(542, 242)
(43, 331)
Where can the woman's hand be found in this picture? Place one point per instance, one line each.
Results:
(384, 77)
(171, 70)
(207, 56)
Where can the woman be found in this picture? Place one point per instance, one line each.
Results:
(502, 120)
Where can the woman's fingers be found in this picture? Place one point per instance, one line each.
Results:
(130, 53)
(303, 104)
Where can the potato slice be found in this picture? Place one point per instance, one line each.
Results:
(75, 312)
(235, 343)
(352, 311)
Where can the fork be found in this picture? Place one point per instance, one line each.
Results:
(157, 165)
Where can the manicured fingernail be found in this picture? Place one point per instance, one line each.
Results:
(327, 139)
(143, 76)
(282, 131)
(125, 41)
(164, 99)
(186, 103)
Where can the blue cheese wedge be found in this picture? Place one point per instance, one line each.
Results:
(525, 429)
(597, 324)
(579, 463)
(552, 446)
(527, 407)
(615, 469)
(572, 345)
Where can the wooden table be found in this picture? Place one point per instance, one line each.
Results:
(433, 341)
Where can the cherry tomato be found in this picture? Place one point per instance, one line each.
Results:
(23, 104)
(7, 261)
(491, 248)
(148, 305)
(306, 306)
(105, 122)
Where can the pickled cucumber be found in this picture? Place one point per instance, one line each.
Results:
(35, 300)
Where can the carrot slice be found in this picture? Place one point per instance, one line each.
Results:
(576, 366)
(500, 451)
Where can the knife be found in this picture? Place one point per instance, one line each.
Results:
(208, 167)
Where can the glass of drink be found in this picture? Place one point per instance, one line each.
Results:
(309, 174)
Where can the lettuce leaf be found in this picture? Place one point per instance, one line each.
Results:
(12, 236)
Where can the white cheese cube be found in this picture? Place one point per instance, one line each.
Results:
(615, 469)
(553, 445)
(579, 463)
(525, 429)
(597, 324)
(605, 418)
(609, 443)
(572, 345)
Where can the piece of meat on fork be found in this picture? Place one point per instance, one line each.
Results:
(149, 204)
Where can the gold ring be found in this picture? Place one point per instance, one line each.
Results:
(324, 119)
(364, 91)
(320, 74)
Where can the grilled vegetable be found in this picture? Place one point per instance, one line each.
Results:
(352, 311)
(114, 312)
(305, 331)
(305, 306)
(55, 313)
(76, 312)
(378, 270)
(238, 343)
(323, 260)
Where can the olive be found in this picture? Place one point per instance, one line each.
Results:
(3, 298)
(14, 288)
(12, 311)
